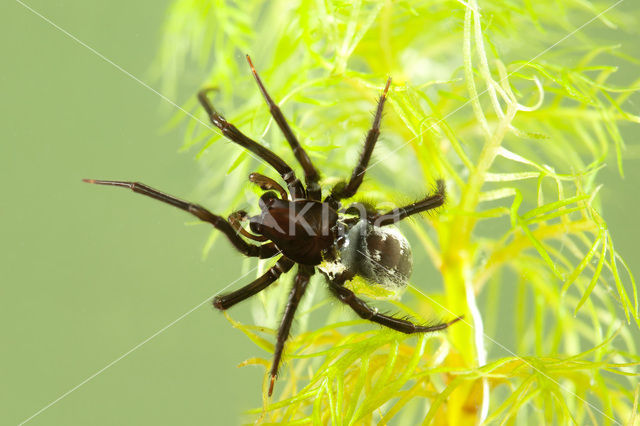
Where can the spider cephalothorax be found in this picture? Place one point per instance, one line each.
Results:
(301, 228)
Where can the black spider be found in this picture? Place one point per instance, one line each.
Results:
(309, 232)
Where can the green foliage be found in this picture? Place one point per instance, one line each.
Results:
(521, 245)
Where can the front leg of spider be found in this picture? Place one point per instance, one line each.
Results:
(231, 132)
(312, 176)
(263, 251)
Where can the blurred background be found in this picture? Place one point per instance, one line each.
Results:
(88, 273)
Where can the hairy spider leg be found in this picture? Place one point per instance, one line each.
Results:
(397, 214)
(349, 190)
(311, 175)
(299, 287)
(266, 184)
(225, 301)
(364, 311)
(232, 133)
(263, 251)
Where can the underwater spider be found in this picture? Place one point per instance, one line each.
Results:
(301, 228)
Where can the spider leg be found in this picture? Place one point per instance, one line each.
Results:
(349, 190)
(364, 311)
(225, 301)
(310, 173)
(299, 287)
(396, 215)
(263, 251)
(232, 133)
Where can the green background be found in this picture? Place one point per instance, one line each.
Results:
(88, 273)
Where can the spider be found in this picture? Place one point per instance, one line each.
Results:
(302, 229)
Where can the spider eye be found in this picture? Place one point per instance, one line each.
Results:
(267, 199)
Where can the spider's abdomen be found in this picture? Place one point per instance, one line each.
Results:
(381, 255)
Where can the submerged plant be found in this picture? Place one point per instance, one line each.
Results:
(517, 126)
